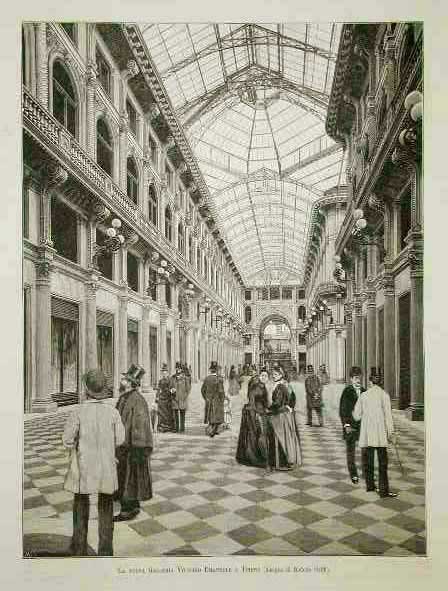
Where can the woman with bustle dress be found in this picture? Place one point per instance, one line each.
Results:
(252, 445)
(165, 393)
(283, 436)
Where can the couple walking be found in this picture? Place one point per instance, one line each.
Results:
(269, 434)
(110, 457)
(172, 399)
(366, 416)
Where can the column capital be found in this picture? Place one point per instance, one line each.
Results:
(388, 284)
(163, 317)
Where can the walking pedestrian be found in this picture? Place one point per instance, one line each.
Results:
(313, 389)
(134, 468)
(283, 442)
(164, 400)
(234, 382)
(373, 409)
(92, 432)
(181, 384)
(350, 427)
(212, 391)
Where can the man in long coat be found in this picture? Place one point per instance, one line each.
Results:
(134, 469)
(374, 410)
(92, 432)
(181, 383)
(212, 391)
(313, 389)
(350, 427)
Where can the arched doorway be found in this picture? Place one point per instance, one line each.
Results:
(275, 342)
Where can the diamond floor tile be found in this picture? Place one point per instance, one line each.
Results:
(206, 504)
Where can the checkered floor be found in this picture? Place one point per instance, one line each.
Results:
(207, 504)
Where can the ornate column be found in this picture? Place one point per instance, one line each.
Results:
(43, 401)
(146, 361)
(389, 334)
(371, 330)
(123, 151)
(92, 84)
(357, 349)
(163, 350)
(348, 340)
(407, 156)
(91, 339)
(123, 330)
(416, 410)
(42, 63)
(177, 328)
(340, 360)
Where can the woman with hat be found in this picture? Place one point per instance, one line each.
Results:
(283, 441)
(252, 441)
(165, 393)
(212, 391)
(92, 432)
(134, 468)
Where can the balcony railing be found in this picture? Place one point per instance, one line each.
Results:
(37, 117)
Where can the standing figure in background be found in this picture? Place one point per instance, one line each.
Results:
(92, 432)
(182, 386)
(374, 410)
(252, 448)
(212, 391)
(313, 389)
(164, 399)
(323, 375)
(350, 427)
(234, 383)
(283, 442)
(134, 456)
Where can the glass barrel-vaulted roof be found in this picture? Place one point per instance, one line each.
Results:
(253, 100)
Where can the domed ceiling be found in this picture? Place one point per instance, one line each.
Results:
(252, 99)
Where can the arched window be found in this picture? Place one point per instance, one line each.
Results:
(180, 238)
(65, 106)
(168, 224)
(152, 197)
(132, 180)
(248, 314)
(104, 148)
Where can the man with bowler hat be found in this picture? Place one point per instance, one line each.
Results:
(134, 468)
(182, 386)
(212, 391)
(92, 432)
(350, 427)
(313, 389)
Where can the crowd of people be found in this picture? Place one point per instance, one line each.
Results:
(111, 447)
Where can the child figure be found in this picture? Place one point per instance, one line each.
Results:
(227, 412)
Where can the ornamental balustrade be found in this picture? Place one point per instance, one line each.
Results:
(36, 117)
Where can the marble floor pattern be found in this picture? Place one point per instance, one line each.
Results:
(206, 504)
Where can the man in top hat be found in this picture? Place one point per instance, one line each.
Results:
(212, 391)
(92, 431)
(134, 469)
(182, 386)
(313, 389)
(350, 427)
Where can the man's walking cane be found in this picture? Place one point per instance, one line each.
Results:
(397, 455)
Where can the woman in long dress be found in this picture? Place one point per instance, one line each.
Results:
(282, 434)
(164, 400)
(234, 382)
(252, 442)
